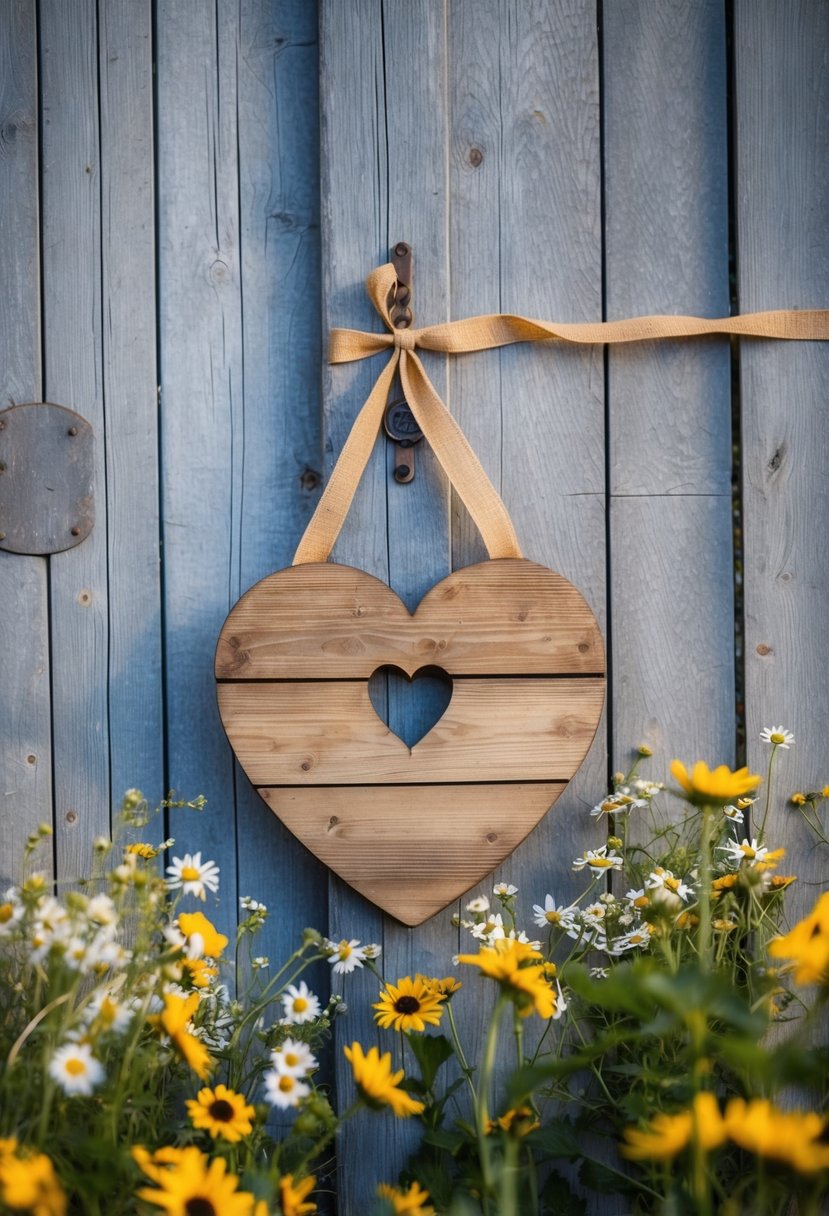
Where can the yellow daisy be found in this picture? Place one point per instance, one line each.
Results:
(667, 1135)
(377, 1083)
(292, 1196)
(414, 1201)
(178, 1011)
(793, 1137)
(30, 1184)
(807, 945)
(447, 986)
(410, 1004)
(223, 1113)
(713, 787)
(202, 934)
(512, 964)
(188, 1182)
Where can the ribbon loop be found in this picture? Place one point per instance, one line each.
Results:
(445, 437)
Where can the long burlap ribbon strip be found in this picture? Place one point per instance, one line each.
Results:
(447, 440)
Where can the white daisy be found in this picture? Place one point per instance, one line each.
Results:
(252, 905)
(559, 915)
(521, 936)
(778, 736)
(479, 904)
(300, 1004)
(636, 939)
(637, 899)
(345, 955)
(75, 1069)
(283, 1091)
(11, 911)
(733, 813)
(101, 910)
(294, 1059)
(616, 804)
(599, 861)
(599, 973)
(372, 950)
(504, 890)
(489, 930)
(746, 850)
(109, 1013)
(594, 914)
(260, 962)
(666, 888)
(193, 877)
(647, 789)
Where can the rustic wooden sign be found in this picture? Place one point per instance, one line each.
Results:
(411, 828)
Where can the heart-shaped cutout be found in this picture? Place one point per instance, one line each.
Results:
(410, 705)
(411, 828)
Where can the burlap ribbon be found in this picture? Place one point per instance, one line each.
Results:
(447, 440)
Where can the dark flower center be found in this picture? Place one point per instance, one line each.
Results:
(407, 1004)
(221, 1111)
(199, 1207)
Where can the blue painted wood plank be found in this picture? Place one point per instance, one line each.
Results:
(25, 726)
(669, 404)
(73, 376)
(782, 179)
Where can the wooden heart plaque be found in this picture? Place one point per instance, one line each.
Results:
(411, 828)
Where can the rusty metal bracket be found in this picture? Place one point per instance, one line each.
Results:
(46, 478)
(399, 423)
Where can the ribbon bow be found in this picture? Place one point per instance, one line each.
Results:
(445, 437)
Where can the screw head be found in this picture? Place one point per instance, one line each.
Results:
(73, 430)
(76, 530)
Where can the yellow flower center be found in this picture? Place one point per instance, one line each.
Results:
(748, 851)
(75, 1067)
(6, 913)
(221, 1111)
(300, 1004)
(190, 873)
(553, 917)
(291, 1059)
(344, 950)
(672, 883)
(598, 862)
(286, 1084)
(776, 737)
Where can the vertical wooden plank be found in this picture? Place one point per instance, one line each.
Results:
(278, 124)
(526, 237)
(130, 397)
(383, 153)
(782, 181)
(669, 405)
(202, 418)
(73, 376)
(25, 728)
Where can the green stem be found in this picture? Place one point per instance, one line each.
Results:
(704, 934)
(459, 1052)
(761, 833)
(482, 1104)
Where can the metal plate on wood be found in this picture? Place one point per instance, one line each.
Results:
(46, 478)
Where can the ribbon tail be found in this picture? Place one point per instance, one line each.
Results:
(324, 526)
(458, 460)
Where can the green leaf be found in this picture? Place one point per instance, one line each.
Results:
(557, 1198)
(556, 1139)
(430, 1051)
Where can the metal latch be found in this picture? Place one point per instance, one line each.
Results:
(46, 478)
(399, 422)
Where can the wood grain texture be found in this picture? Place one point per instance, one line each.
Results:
(130, 398)
(25, 726)
(328, 622)
(278, 131)
(669, 407)
(782, 115)
(525, 175)
(450, 834)
(202, 404)
(383, 169)
(73, 376)
(328, 733)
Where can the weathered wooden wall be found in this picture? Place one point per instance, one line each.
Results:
(176, 238)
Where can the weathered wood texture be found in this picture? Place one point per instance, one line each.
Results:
(669, 404)
(25, 724)
(239, 370)
(490, 135)
(782, 201)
